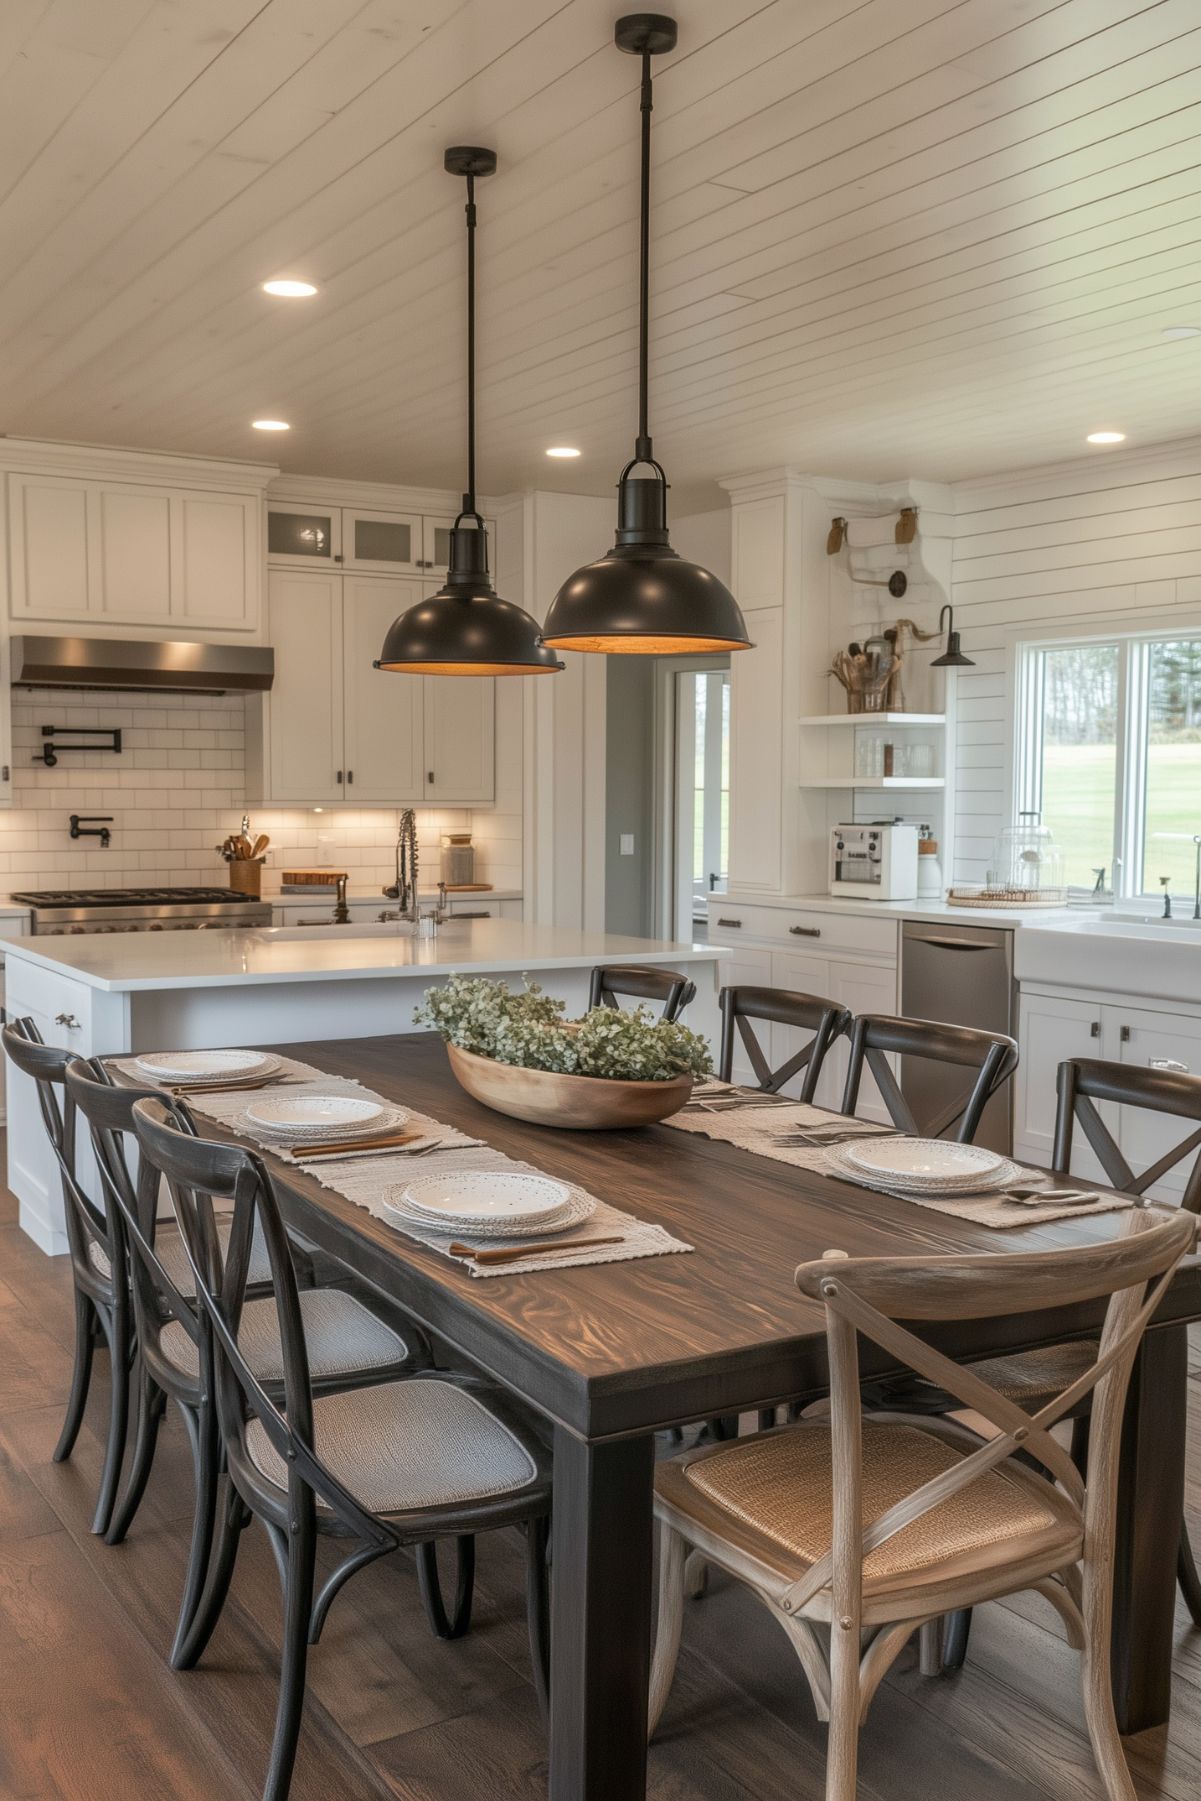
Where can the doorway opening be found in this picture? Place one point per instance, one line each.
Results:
(700, 798)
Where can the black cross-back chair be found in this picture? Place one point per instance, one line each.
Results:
(348, 1345)
(826, 1020)
(1083, 1084)
(875, 1036)
(641, 982)
(438, 1454)
(102, 1302)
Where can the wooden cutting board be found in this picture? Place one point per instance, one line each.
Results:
(312, 878)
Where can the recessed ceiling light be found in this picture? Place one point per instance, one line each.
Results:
(1181, 331)
(562, 450)
(1107, 437)
(270, 425)
(288, 289)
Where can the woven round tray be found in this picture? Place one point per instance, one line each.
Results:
(1007, 897)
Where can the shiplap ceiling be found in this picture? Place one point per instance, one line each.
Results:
(890, 236)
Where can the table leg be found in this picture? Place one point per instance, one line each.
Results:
(600, 1618)
(1150, 1500)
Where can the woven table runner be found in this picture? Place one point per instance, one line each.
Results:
(365, 1178)
(770, 1125)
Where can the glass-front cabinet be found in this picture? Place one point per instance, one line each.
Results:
(300, 536)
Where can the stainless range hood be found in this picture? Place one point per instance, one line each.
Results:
(166, 666)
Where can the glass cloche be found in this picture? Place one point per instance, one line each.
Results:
(1028, 863)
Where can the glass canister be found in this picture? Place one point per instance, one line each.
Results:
(457, 862)
(1027, 859)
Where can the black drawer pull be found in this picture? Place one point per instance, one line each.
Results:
(805, 931)
(727, 923)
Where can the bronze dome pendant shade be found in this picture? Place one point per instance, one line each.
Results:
(466, 628)
(642, 597)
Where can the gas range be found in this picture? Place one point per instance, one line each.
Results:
(71, 911)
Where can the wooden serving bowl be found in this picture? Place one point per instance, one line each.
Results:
(578, 1103)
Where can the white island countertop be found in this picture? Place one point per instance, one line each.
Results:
(128, 962)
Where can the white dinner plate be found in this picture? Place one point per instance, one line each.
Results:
(578, 1208)
(206, 1066)
(982, 1182)
(304, 1112)
(923, 1161)
(476, 1195)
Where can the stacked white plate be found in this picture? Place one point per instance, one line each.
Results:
(207, 1066)
(490, 1204)
(318, 1117)
(918, 1166)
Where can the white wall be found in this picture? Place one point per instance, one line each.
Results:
(1078, 547)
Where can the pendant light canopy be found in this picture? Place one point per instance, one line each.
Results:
(642, 597)
(466, 628)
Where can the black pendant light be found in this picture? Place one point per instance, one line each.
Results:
(642, 597)
(466, 628)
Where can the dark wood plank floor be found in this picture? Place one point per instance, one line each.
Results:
(89, 1710)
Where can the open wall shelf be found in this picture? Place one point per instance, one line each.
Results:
(873, 720)
(873, 781)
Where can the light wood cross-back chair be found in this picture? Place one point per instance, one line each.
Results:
(397, 1460)
(641, 982)
(1084, 1084)
(742, 1005)
(876, 1036)
(858, 1531)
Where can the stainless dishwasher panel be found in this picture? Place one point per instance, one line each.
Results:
(963, 976)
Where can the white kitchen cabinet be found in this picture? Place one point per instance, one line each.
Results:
(384, 750)
(1055, 1027)
(460, 739)
(123, 553)
(302, 719)
(302, 533)
(336, 730)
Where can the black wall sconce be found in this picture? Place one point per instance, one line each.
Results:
(952, 657)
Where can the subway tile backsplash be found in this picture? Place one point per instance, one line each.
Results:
(177, 789)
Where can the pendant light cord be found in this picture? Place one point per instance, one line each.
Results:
(469, 497)
(643, 452)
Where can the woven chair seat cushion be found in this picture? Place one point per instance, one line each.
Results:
(1031, 1378)
(169, 1248)
(779, 1484)
(403, 1446)
(341, 1335)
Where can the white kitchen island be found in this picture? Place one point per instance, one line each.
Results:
(105, 994)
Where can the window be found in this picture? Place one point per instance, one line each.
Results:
(1109, 753)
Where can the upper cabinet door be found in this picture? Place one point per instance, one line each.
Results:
(460, 739)
(386, 543)
(305, 719)
(132, 553)
(383, 711)
(49, 547)
(302, 537)
(216, 572)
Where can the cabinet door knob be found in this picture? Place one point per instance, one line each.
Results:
(728, 923)
(350, 775)
(67, 1019)
(1124, 1034)
(1094, 1031)
(338, 777)
(805, 931)
(429, 775)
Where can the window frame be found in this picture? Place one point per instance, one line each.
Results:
(1027, 711)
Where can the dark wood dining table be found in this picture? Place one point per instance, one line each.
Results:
(610, 1354)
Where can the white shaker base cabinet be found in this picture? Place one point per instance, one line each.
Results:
(1119, 1029)
(336, 730)
(858, 971)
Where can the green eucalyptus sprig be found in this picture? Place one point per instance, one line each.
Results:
(528, 1028)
